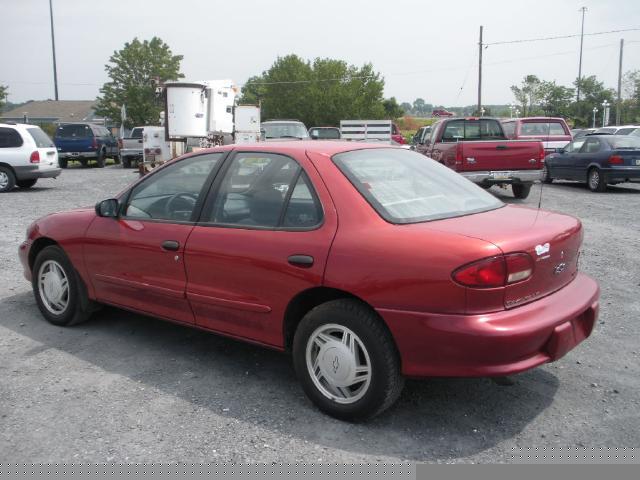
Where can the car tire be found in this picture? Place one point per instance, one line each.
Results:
(126, 162)
(546, 176)
(84, 162)
(63, 163)
(100, 159)
(368, 345)
(116, 159)
(521, 190)
(26, 183)
(7, 179)
(60, 292)
(595, 181)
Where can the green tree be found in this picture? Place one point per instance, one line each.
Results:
(391, 109)
(592, 94)
(631, 97)
(419, 107)
(133, 72)
(406, 108)
(527, 94)
(3, 96)
(555, 100)
(321, 92)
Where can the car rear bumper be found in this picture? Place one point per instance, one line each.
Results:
(31, 172)
(130, 152)
(499, 343)
(77, 155)
(622, 174)
(503, 176)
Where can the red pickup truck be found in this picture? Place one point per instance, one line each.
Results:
(478, 149)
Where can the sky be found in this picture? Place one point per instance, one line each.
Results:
(423, 48)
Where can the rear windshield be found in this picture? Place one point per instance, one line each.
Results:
(325, 133)
(73, 131)
(42, 139)
(542, 128)
(630, 142)
(136, 133)
(285, 130)
(488, 129)
(407, 187)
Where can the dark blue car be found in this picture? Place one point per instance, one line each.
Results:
(598, 160)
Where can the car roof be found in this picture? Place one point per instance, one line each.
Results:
(539, 119)
(18, 125)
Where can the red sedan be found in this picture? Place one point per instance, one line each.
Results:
(368, 263)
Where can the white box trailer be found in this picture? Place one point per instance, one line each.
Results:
(247, 124)
(366, 130)
(155, 148)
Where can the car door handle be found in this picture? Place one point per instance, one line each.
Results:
(171, 245)
(501, 147)
(303, 261)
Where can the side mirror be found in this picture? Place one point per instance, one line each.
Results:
(562, 150)
(108, 208)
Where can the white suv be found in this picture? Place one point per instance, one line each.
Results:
(26, 154)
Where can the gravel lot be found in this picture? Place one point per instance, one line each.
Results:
(125, 387)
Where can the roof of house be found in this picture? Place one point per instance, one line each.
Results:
(54, 111)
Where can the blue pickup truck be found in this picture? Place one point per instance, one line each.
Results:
(83, 142)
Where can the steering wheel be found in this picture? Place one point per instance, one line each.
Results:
(169, 206)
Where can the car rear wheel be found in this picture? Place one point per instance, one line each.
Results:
(84, 162)
(60, 293)
(100, 160)
(546, 176)
(62, 162)
(521, 190)
(347, 361)
(7, 179)
(126, 162)
(26, 183)
(595, 181)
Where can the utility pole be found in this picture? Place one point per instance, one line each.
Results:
(619, 102)
(53, 47)
(583, 9)
(480, 72)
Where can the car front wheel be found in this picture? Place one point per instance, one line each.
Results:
(60, 293)
(521, 190)
(347, 361)
(7, 179)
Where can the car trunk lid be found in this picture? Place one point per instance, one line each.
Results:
(552, 240)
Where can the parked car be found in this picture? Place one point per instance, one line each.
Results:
(131, 148)
(284, 129)
(581, 132)
(420, 140)
(396, 135)
(441, 112)
(26, 155)
(83, 142)
(424, 274)
(554, 133)
(324, 133)
(617, 130)
(598, 160)
(478, 149)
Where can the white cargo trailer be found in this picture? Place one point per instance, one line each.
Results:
(247, 124)
(366, 130)
(186, 110)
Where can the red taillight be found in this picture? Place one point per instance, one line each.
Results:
(495, 272)
(158, 151)
(120, 143)
(459, 154)
(542, 153)
(35, 157)
(94, 143)
(616, 160)
(147, 151)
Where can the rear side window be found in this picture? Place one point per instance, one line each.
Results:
(488, 129)
(407, 187)
(42, 139)
(74, 131)
(542, 128)
(10, 138)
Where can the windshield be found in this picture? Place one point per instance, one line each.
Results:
(630, 142)
(542, 128)
(72, 131)
(285, 130)
(407, 187)
(325, 133)
(42, 139)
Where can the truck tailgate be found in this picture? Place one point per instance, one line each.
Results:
(501, 155)
(74, 144)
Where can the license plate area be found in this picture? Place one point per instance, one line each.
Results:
(151, 157)
(500, 175)
(638, 161)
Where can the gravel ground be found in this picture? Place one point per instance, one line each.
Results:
(127, 388)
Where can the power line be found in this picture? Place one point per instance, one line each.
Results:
(559, 37)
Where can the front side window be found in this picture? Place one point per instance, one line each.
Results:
(574, 146)
(264, 190)
(172, 193)
(10, 138)
(406, 187)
